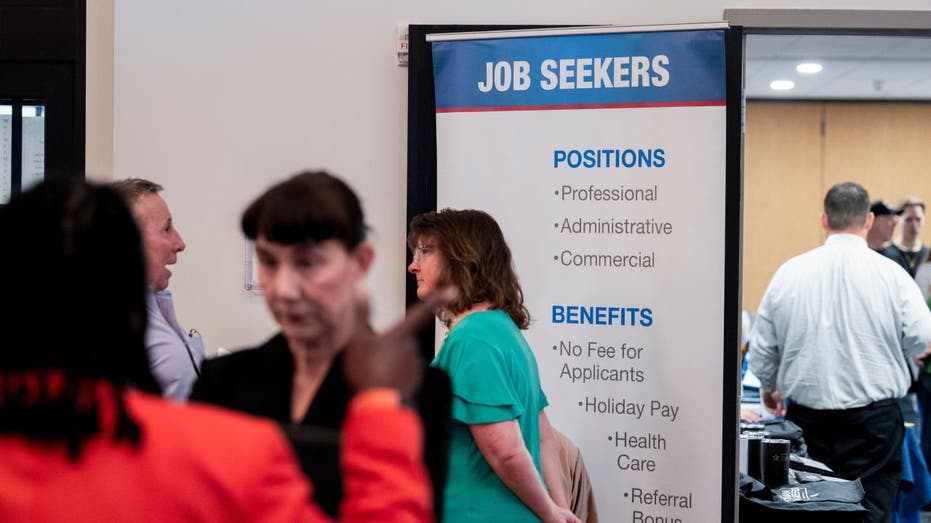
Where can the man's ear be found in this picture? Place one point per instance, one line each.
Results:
(364, 254)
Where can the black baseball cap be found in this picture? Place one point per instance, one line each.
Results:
(882, 208)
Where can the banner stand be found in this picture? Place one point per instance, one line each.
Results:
(683, 145)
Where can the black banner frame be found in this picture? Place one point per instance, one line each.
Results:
(421, 197)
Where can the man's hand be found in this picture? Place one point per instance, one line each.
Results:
(749, 414)
(920, 358)
(774, 403)
(390, 359)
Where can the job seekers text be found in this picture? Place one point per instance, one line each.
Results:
(578, 73)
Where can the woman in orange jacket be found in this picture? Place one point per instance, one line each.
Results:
(83, 435)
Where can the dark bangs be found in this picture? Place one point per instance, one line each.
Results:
(309, 206)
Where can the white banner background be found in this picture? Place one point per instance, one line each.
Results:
(502, 162)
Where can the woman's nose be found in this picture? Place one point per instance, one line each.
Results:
(287, 283)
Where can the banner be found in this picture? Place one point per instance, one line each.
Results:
(602, 155)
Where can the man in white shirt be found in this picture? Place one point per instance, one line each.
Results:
(175, 355)
(833, 334)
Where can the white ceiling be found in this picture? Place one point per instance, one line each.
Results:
(855, 67)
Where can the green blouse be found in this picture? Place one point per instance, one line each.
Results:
(494, 378)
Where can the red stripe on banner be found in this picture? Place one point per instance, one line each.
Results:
(697, 103)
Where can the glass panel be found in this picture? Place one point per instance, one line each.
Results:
(33, 146)
(6, 152)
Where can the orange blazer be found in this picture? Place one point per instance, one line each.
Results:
(200, 463)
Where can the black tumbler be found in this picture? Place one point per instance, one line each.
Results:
(754, 447)
(774, 462)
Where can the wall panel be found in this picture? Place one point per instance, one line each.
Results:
(789, 165)
(885, 146)
(782, 189)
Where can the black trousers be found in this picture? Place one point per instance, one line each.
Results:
(864, 442)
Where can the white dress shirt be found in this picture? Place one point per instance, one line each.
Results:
(175, 356)
(836, 326)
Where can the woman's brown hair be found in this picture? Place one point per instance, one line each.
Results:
(308, 206)
(475, 258)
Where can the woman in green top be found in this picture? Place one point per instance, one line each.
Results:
(503, 463)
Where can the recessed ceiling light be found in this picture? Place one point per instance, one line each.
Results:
(781, 85)
(808, 67)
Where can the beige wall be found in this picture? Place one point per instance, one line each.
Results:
(796, 151)
(99, 85)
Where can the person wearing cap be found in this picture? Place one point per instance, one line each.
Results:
(879, 237)
(833, 333)
(885, 218)
(909, 251)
